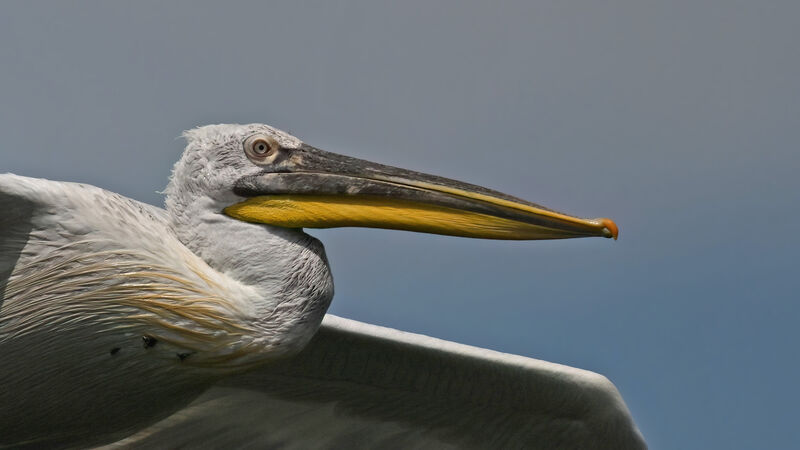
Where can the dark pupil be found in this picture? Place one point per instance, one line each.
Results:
(261, 147)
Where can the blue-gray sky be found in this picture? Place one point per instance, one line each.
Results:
(680, 120)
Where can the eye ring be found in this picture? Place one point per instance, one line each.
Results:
(260, 147)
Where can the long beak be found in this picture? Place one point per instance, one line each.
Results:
(311, 188)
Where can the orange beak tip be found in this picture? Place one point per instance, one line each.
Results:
(612, 228)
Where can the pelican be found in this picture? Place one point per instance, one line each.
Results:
(203, 324)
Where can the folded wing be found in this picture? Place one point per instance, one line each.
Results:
(364, 386)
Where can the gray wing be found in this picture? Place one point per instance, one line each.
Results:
(38, 215)
(54, 364)
(16, 212)
(55, 212)
(363, 386)
(32, 217)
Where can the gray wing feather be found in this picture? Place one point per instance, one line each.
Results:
(16, 213)
(36, 214)
(363, 386)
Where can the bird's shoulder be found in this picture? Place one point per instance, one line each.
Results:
(42, 197)
(40, 216)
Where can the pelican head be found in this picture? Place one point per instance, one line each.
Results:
(256, 173)
(241, 195)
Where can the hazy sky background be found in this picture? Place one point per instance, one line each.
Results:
(680, 120)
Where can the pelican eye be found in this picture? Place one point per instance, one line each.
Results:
(260, 147)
